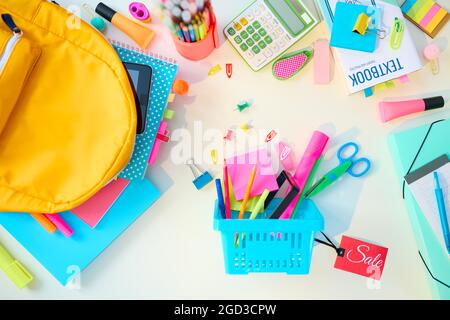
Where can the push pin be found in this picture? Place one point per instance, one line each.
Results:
(432, 53)
(241, 106)
(202, 178)
(228, 135)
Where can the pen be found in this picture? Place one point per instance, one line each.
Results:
(60, 224)
(227, 191)
(13, 269)
(442, 212)
(220, 198)
(247, 192)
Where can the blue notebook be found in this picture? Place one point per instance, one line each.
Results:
(342, 35)
(64, 257)
(164, 71)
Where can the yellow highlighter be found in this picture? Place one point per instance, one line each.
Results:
(259, 204)
(247, 192)
(13, 269)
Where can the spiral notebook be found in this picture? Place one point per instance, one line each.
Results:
(164, 71)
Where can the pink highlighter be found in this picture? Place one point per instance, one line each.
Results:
(390, 110)
(60, 224)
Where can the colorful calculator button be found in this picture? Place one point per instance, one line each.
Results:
(237, 26)
(268, 39)
(262, 44)
(244, 47)
(243, 21)
(231, 31)
(238, 39)
(250, 42)
(256, 37)
(256, 49)
(262, 32)
(250, 29)
(256, 24)
(244, 34)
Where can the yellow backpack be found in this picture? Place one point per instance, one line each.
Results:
(67, 109)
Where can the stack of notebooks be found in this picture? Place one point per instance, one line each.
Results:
(101, 219)
(369, 62)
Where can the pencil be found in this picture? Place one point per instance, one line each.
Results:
(247, 192)
(191, 33)
(197, 34)
(185, 32)
(227, 191)
(180, 34)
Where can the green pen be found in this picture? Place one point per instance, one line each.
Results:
(329, 178)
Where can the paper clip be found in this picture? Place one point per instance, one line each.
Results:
(201, 178)
(214, 156)
(397, 34)
(228, 135)
(271, 135)
(214, 70)
(244, 105)
(229, 69)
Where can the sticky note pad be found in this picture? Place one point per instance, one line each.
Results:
(429, 16)
(322, 62)
(342, 35)
(93, 210)
(240, 167)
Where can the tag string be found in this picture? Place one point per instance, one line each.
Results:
(339, 251)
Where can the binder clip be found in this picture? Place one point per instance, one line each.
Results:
(293, 192)
(202, 178)
(369, 22)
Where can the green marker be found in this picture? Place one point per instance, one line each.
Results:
(14, 269)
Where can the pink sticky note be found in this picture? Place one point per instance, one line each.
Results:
(322, 61)
(240, 167)
(93, 210)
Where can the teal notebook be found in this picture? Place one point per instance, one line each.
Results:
(164, 71)
(411, 149)
(64, 257)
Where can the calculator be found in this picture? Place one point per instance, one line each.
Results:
(267, 28)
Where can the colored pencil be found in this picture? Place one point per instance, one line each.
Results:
(247, 192)
(227, 191)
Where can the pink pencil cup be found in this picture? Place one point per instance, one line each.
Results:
(200, 49)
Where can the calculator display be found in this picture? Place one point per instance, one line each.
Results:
(289, 12)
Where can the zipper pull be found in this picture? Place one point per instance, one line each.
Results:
(8, 19)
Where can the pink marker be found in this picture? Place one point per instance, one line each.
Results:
(286, 156)
(312, 153)
(390, 110)
(60, 224)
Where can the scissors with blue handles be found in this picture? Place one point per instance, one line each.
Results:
(347, 164)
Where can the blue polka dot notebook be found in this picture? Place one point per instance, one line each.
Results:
(164, 71)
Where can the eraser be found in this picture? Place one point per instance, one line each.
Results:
(322, 62)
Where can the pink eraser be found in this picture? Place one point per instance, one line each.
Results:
(322, 62)
(157, 145)
(60, 224)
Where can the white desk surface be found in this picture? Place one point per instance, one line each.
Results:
(172, 250)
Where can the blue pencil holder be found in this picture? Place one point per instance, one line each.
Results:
(269, 245)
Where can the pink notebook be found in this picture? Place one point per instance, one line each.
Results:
(93, 210)
(240, 167)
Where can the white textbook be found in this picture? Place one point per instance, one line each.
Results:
(363, 70)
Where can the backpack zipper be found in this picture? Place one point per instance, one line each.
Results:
(10, 45)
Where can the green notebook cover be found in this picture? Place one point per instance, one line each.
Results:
(412, 149)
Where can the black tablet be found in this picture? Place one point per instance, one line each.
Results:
(141, 78)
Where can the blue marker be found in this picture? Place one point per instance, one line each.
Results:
(442, 211)
(220, 197)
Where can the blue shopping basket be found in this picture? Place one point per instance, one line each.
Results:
(269, 245)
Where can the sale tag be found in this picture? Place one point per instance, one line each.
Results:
(362, 258)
